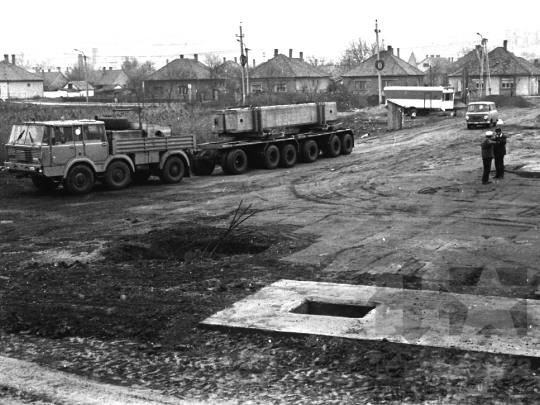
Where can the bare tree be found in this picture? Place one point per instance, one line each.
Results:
(217, 73)
(358, 51)
(137, 73)
(317, 60)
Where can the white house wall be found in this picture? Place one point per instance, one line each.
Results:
(21, 89)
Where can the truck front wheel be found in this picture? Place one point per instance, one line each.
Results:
(79, 180)
(117, 175)
(44, 183)
(173, 170)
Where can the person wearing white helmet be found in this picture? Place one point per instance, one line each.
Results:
(487, 155)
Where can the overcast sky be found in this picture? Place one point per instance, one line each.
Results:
(47, 31)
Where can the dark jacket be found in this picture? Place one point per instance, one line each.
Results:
(499, 149)
(487, 148)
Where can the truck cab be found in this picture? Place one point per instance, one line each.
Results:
(44, 148)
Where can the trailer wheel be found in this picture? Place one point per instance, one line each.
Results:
(347, 144)
(173, 170)
(44, 183)
(223, 163)
(288, 155)
(270, 158)
(79, 180)
(117, 175)
(309, 151)
(237, 161)
(203, 167)
(333, 148)
(141, 176)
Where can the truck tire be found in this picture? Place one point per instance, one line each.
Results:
(237, 161)
(44, 183)
(270, 158)
(223, 163)
(79, 180)
(333, 148)
(288, 155)
(203, 166)
(141, 176)
(309, 151)
(347, 144)
(117, 175)
(173, 170)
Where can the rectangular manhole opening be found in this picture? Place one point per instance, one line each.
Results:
(331, 309)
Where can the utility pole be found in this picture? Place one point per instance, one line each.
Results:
(486, 56)
(242, 62)
(247, 72)
(378, 59)
(85, 73)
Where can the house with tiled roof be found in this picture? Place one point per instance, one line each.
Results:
(363, 79)
(77, 88)
(508, 74)
(288, 74)
(16, 82)
(53, 81)
(185, 79)
(109, 80)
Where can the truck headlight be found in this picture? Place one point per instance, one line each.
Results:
(467, 117)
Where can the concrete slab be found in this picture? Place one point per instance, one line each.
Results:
(440, 319)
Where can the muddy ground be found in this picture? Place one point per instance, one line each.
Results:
(112, 285)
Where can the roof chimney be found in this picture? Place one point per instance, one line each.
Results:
(181, 56)
(390, 50)
(254, 63)
(398, 52)
(58, 68)
(432, 56)
(110, 68)
(13, 59)
(195, 56)
(104, 69)
(276, 52)
(505, 44)
(48, 70)
(290, 53)
(316, 62)
(302, 56)
(438, 56)
(6, 58)
(224, 59)
(536, 61)
(235, 59)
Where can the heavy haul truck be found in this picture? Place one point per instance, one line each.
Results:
(77, 153)
(272, 136)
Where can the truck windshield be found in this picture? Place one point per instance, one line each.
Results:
(478, 108)
(28, 134)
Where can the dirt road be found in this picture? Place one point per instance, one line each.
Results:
(130, 269)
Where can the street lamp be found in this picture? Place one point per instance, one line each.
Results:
(85, 73)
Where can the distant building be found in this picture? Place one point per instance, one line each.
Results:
(16, 82)
(508, 74)
(363, 79)
(109, 81)
(53, 82)
(287, 74)
(185, 79)
(436, 69)
(77, 89)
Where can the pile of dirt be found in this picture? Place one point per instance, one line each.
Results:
(507, 101)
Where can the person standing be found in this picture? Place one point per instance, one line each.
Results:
(487, 155)
(499, 150)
